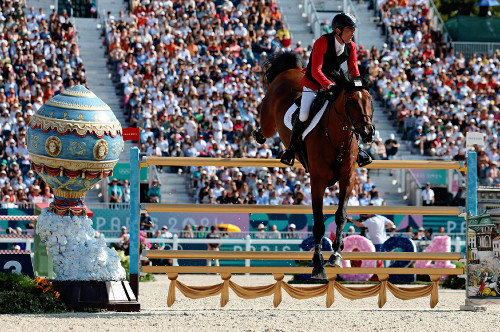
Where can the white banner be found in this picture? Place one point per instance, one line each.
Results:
(473, 138)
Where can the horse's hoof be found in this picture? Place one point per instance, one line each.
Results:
(259, 137)
(318, 273)
(335, 260)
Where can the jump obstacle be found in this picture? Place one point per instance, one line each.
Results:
(279, 272)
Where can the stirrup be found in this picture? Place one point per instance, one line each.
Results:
(363, 158)
(288, 157)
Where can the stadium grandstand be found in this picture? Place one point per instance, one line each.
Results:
(188, 75)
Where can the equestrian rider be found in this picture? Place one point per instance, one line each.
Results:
(328, 54)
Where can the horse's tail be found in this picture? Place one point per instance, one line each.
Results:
(279, 63)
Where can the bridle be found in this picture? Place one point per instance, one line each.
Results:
(353, 128)
(364, 117)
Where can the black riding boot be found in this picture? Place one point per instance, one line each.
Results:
(363, 158)
(288, 156)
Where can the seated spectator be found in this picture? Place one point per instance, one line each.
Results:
(391, 146)
(261, 232)
(379, 151)
(165, 233)
(292, 234)
(273, 233)
(147, 224)
(274, 198)
(187, 232)
(364, 200)
(47, 196)
(115, 192)
(154, 192)
(377, 200)
(428, 235)
(353, 199)
(368, 185)
(299, 198)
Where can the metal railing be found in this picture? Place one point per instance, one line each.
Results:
(349, 8)
(13, 239)
(437, 21)
(313, 18)
(470, 48)
(315, 22)
(233, 235)
(413, 188)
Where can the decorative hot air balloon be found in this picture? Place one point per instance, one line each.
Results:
(74, 141)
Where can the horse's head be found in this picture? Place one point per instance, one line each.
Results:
(358, 106)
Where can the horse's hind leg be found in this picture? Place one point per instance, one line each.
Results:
(267, 122)
(317, 191)
(259, 137)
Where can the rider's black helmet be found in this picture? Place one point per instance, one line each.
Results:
(343, 20)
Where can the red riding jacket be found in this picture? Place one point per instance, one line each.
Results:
(324, 60)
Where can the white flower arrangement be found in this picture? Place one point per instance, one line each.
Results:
(76, 253)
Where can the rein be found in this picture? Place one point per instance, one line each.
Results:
(343, 146)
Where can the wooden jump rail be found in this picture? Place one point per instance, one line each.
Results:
(301, 209)
(255, 162)
(279, 272)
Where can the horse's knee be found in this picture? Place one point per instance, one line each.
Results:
(338, 244)
(340, 217)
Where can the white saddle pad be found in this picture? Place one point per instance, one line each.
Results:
(314, 122)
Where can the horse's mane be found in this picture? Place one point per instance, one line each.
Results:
(280, 62)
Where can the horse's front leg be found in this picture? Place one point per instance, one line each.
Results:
(338, 244)
(345, 188)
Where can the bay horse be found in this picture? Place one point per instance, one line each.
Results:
(332, 146)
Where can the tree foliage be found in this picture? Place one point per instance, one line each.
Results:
(452, 8)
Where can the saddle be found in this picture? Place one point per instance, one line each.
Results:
(322, 97)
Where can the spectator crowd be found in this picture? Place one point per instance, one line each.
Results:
(189, 72)
(435, 96)
(189, 75)
(39, 58)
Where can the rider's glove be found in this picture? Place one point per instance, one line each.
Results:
(334, 89)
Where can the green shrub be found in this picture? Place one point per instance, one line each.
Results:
(455, 282)
(20, 294)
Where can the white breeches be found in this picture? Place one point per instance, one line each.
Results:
(308, 97)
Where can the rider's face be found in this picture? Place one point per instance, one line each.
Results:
(348, 34)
